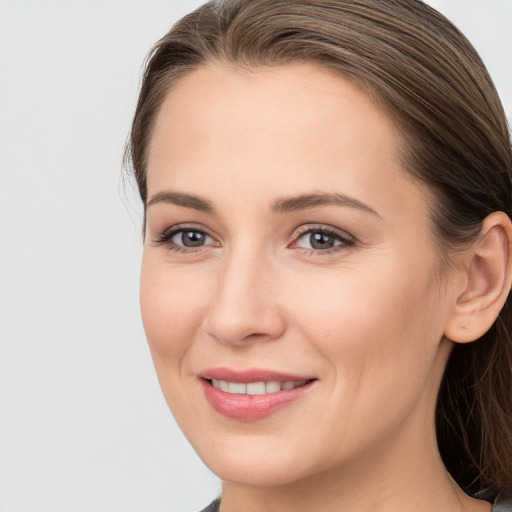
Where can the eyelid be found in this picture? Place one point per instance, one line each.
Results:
(344, 237)
(165, 236)
(326, 228)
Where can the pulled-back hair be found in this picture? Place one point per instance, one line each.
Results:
(429, 79)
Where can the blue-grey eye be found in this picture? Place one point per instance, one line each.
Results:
(191, 238)
(319, 240)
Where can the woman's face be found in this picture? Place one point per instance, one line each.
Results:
(290, 289)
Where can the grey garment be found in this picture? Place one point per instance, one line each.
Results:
(502, 504)
(214, 506)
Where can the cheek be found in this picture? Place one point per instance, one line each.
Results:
(173, 304)
(381, 325)
(379, 334)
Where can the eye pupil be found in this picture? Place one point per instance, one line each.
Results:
(192, 238)
(321, 241)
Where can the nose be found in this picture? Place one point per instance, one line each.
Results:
(244, 307)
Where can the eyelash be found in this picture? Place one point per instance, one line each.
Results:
(345, 241)
(166, 236)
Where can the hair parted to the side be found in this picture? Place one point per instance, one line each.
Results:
(429, 79)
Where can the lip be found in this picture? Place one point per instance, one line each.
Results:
(251, 407)
(250, 375)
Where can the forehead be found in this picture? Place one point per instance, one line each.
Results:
(290, 128)
(281, 102)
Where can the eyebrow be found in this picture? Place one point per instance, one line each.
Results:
(182, 199)
(308, 201)
(281, 205)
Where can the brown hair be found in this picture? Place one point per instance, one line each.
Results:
(417, 66)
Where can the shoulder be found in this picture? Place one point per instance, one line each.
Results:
(214, 506)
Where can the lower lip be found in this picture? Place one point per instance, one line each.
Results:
(251, 407)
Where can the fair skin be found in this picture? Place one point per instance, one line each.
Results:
(362, 315)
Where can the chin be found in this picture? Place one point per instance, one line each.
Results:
(256, 473)
(259, 461)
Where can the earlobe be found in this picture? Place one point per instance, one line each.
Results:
(488, 276)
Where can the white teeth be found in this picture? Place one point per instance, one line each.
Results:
(255, 388)
(272, 387)
(237, 388)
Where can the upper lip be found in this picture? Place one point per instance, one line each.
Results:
(251, 375)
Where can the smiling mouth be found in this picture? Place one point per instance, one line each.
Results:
(253, 394)
(256, 388)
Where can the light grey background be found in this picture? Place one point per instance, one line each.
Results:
(83, 425)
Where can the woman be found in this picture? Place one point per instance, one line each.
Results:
(328, 254)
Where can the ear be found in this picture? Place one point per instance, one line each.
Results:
(487, 278)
